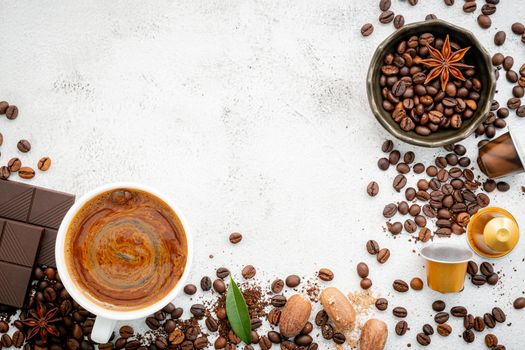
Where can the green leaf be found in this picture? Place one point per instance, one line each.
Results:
(237, 312)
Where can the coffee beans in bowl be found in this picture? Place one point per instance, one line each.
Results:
(430, 83)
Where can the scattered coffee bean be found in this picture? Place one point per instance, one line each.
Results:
(386, 17)
(484, 21)
(469, 6)
(468, 336)
(366, 283)
(372, 247)
(23, 146)
(248, 272)
(293, 281)
(222, 272)
(499, 38)
(444, 329)
(11, 112)
(518, 28)
(438, 305)
(26, 172)
(489, 319)
(381, 304)
(235, 237)
(399, 21)
(486, 269)
(400, 286)
(519, 303)
(4, 173)
(372, 189)
(399, 312)
(44, 163)
(206, 283)
(362, 270)
(423, 339)
(326, 274)
(401, 328)
(458, 311)
(219, 286)
(428, 329)
(367, 29)
(441, 317)
(383, 255)
(416, 283)
(499, 315)
(491, 340)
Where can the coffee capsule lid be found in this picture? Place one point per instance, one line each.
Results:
(501, 234)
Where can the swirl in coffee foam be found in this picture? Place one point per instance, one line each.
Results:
(126, 249)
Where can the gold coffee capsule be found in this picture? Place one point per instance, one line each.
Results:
(446, 266)
(493, 232)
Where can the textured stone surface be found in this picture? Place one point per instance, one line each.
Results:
(253, 116)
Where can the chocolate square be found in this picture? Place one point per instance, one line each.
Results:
(15, 200)
(49, 207)
(19, 243)
(46, 255)
(15, 281)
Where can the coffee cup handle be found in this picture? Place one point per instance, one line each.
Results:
(102, 330)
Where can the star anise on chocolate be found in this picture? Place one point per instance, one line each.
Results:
(445, 63)
(41, 322)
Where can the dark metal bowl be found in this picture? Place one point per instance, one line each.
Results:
(476, 56)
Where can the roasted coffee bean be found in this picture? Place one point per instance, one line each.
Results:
(402, 208)
(502, 186)
(367, 29)
(248, 272)
(489, 319)
(3, 107)
(383, 255)
(479, 324)
(414, 210)
(235, 237)
(126, 332)
(366, 283)
(401, 328)
(486, 269)
(468, 321)
(14, 165)
(493, 279)
(372, 189)
(416, 283)
(428, 329)
(390, 210)
(190, 289)
(418, 168)
(18, 339)
(400, 312)
(420, 220)
(23, 146)
(381, 304)
(387, 146)
(321, 318)
(410, 226)
(479, 280)
(491, 340)
(518, 28)
(339, 338)
(152, 323)
(161, 342)
(292, 281)
(362, 270)
(458, 311)
(198, 310)
(441, 317)
(326, 274)
(327, 331)
(444, 329)
(403, 168)
(386, 17)
(4, 173)
(399, 21)
(6, 341)
(372, 247)
(400, 286)
(469, 6)
(519, 303)
(11, 112)
(200, 343)
(278, 300)
(468, 336)
(206, 283)
(499, 315)
(424, 235)
(472, 268)
(256, 323)
(514, 103)
(304, 340)
(222, 272)
(4, 326)
(399, 182)
(423, 339)
(484, 21)
(394, 157)
(394, 228)
(410, 194)
(383, 163)
(384, 5)
(499, 38)
(219, 286)
(438, 305)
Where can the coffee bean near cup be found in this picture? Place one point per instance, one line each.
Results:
(123, 251)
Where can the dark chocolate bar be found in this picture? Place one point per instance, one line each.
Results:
(29, 219)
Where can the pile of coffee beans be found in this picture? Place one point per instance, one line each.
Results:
(425, 108)
(14, 165)
(327, 329)
(484, 274)
(447, 195)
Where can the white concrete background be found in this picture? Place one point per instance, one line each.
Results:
(253, 116)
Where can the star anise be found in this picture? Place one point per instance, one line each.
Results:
(445, 63)
(41, 322)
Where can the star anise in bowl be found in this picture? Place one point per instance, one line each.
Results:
(41, 322)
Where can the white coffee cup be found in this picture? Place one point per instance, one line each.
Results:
(107, 318)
